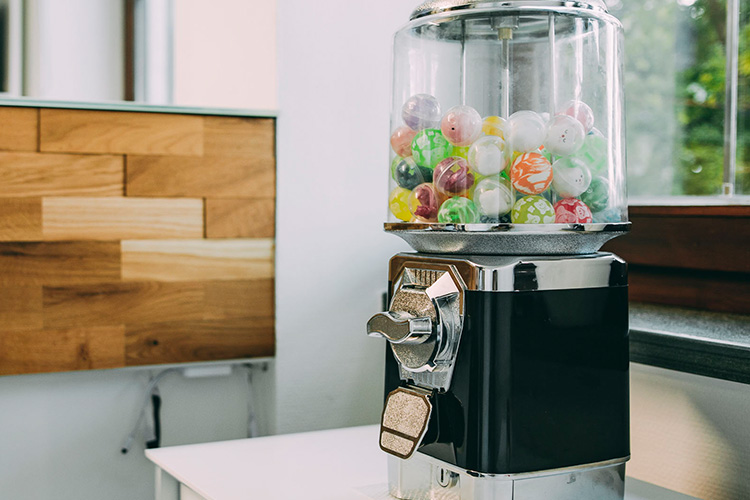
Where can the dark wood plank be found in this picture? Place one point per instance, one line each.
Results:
(218, 177)
(691, 211)
(60, 263)
(186, 341)
(20, 308)
(122, 303)
(19, 129)
(240, 218)
(20, 219)
(84, 131)
(56, 350)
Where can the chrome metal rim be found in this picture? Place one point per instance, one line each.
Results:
(431, 7)
(526, 229)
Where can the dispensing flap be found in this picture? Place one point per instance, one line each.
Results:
(404, 423)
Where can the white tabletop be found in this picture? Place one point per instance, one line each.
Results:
(340, 464)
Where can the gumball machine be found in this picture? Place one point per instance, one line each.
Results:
(507, 330)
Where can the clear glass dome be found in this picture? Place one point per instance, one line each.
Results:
(508, 114)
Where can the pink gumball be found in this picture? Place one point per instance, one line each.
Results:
(572, 211)
(401, 141)
(581, 112)
(461, 125)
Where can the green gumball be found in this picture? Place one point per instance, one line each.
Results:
(597, 195)
(594, 154)
(532, 210)
(458, 210)
(429, 148)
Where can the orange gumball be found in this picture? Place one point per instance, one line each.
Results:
(531, 173)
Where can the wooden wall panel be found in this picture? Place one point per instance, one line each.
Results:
(40, 174)
(240, 218)
(81, 348)
(121, 218)
(182, 341)
(191, 260)
(219, 177)
(81, 131)
(20, 219)
(63, 263)
(134, 239)
(19, 129)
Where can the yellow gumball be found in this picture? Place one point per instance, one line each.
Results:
(398, 202)
(462, 152)
(494, 125)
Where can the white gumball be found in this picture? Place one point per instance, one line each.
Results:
(565, 135)
(527, 131)
(493, 197)
(488, 155)
(570, 177)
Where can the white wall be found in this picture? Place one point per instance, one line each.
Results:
(332, 254)
(61, 434)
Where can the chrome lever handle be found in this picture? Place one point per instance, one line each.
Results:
(400, 328)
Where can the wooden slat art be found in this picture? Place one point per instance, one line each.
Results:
(134, 239)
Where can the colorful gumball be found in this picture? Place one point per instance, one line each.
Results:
(409, 175)
(458, 210)
(424, 203)
(581, 112)
(421, 111)
(401, 141)
(531, 173)
(565, 135)
(532, 210)
(461, 125)
(595, 153)
(493, 197)
(570, 177)
(572, 211)
(453, 176)
(429, 148)
(463, 152)
(609, 216)
(398, 202)
(488, 155)
(494, 125)
(526, 131)
(597, 194)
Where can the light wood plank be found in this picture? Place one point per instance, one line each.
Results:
(81, 348)
(240, 218)
(83, 131)
(239, 299)
(182, 341)
(20, 307)
(42, 174)
(122, 303)
(231, 177)
(121, 218)
(19, 129)
(20, 219)
(247, 137)
(195, 260)
(60, 263)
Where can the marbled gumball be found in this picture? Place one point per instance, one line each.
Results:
(461, 125)
(531, 173)
(458, 210)
(581, 112)
(398, 202)
(409, 175)
(421, 111)
(597, 195)
(453, 176)
(429, 148)
(565, 135)
(401, 141)
(532, 210)
(609, 216)
(572, 211)
(493, 197)
(424, 203)
(494, 125)
(570, 177)
(526, 131)
(488, 155)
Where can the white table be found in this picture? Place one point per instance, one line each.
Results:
(340, 464)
